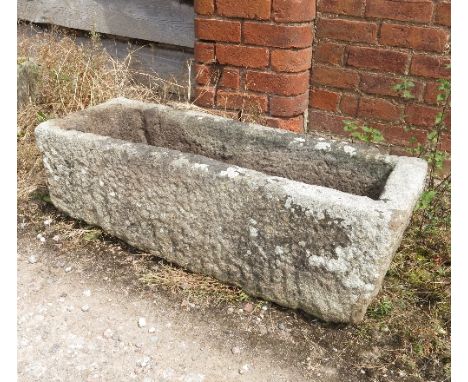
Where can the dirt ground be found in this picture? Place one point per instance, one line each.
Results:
(79, 321)
(80, 302)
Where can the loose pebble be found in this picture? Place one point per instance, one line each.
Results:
(144, 362)
(152, 330)
(249, 307)
(32, 259)
(68, 269)
(244, 369)
(141, 322)
(108, 333)
(85, 308)
(236, 350)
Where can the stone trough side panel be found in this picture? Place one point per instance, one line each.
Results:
(253, 57)
(195, 218)
(362, 49)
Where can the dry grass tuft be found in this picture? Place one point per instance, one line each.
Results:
(193, 286)
(72, 77)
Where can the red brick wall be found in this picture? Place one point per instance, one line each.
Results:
(254, 57)
(362, 48)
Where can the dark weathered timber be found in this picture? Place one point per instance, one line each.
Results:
(146, 57)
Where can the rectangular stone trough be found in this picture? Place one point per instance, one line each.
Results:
(305, 222)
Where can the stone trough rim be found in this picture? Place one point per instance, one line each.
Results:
(391, 196)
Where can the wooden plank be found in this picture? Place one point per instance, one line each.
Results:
(163, 21)
(147, 58)
(166, 63)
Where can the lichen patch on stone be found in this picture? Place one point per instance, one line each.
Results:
(349, 150)
(230, 172)
(325, 146)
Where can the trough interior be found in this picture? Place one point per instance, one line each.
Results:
(267, 151)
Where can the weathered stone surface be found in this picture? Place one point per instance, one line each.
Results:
(301, 221)
(26, 81)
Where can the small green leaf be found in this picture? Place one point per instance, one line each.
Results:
(407, 94)
(404, 88)
(41, 116)
(383, 309)
(92, 235)
(46, 198)
(426, 199)
(432, 135)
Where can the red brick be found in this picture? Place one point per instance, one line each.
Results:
(243, 56)
(204, 7)
(349, 104)
(347, 30)
(295, 124)
(206, 75)
(377, 59)
(293, 10)
(291, 60)
(324, 121)
(329, 53)
(403, 10)
(241, 101)
(384, 85)
(230, 78)
(288, 106)
(448, 119)
(443, 14)
(342, 7)
(420, 38)
(398, 135)
(336, 77)
(324, 100)
(204, 52)
(279, 36)
(376, 108)
(247, 9)
(278, 83)
(445, 142)
(218, 30)
(430, 66)
(421, 115)
(431, 93)
(205, 97)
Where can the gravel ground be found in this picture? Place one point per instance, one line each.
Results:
(77, 323)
